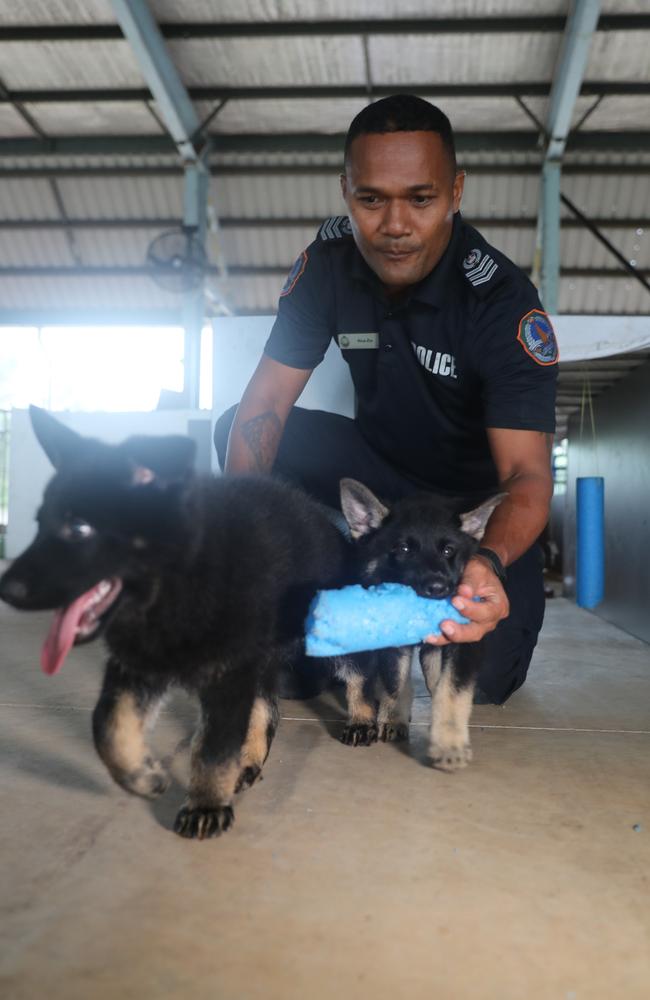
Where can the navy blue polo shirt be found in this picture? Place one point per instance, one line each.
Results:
(469, 347)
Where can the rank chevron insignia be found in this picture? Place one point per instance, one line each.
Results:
(483, 271)
(335, 228)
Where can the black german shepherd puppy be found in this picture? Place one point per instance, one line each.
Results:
(421, 543)
(197, 582)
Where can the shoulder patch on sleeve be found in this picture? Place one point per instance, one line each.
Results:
(537, 337)
(479, 267)
(294, 274)
(335, 228)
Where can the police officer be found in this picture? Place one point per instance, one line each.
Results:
(453, 362)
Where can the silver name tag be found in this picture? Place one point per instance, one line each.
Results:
(358, 341)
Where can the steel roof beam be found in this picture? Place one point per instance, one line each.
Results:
(567, 80)
(293, 169)
(289, 222)
(477, 142)
(215, 92)
(242, 271)
(141, 31)
(283, 29)
(570, 70)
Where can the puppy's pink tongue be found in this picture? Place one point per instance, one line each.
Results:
(62, 634)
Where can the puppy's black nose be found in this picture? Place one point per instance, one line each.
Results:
(12, 591)
(434, 588)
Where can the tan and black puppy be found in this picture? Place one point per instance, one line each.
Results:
(421, 543)
(191, 581)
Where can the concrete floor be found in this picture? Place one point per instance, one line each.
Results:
(355, 871)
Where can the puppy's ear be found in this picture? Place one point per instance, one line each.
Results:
(474, 521)
(59, 443)
(361, 508)
(166, 460)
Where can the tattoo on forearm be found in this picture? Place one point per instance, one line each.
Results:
(262, 435)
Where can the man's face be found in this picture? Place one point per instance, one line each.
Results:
(401, 195)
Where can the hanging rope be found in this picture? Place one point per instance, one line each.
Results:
(587, 400)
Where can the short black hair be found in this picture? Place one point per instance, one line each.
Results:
(402, 113)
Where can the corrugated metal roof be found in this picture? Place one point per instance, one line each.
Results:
(31, 200)
(312, 60)
(268, 61)
(101, 12)
(28, 247)
(11, 123)
(61, 64)
(288, 196)
(122, 197)
(308, 10)
(616, 114)
(287, 10)
(463, 58)
(273, 115)
(57, 12)
(101, 118)
(619, 55)
(282, 116)
(618, 296)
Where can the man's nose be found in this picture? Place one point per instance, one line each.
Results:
(395, 221)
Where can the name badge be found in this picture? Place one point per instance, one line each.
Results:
(358, 341)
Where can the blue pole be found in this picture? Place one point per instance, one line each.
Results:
(590, 554)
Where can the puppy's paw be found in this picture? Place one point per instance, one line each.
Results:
(393, 732)
(450, 758)
(248, 777)
(359, 734)
(203, 822)
(150, 780)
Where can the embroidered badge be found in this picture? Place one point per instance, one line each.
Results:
(294, 274)
(537, 337)
(335, 228)
(472, 259)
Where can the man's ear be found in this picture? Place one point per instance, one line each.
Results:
(361, 508)
(59, 443)
(166, 460)
(474, 521)
(458, 188)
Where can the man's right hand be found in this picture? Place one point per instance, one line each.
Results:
(259, 422)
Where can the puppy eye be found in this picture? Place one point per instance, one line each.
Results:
(406, 545)
(76, 530)
(449, 551)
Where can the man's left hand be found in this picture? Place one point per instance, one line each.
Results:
(479, 580)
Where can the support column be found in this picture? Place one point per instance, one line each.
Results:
(569, 71)
(195, 200)
(550, 277)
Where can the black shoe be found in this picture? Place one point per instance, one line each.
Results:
(481, 698)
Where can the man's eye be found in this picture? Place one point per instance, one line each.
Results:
(422, 199)
(449, 551)
(76, 530)
(370, 200)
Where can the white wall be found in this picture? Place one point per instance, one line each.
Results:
(238, 345)
(29, 469)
